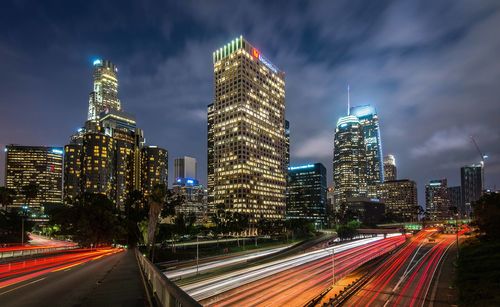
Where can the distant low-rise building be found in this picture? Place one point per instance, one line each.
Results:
(367, 211)
(400, 199)
(194, 199)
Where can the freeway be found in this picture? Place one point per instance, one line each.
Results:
(183, 272)
(91, 278)
(307, 274)
(406, 277)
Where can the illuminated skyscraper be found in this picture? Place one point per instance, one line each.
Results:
(105, 93)
(249, 143)
(390, 169)
(287, 138)
(37, 165)
(108, 156)
(210, 158)
(154, 168)
(185, 167)
(437, 202)
(368, 119)
(349, 160)
(306, 193)
(400, 199)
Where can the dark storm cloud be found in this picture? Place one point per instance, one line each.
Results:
(430, 67)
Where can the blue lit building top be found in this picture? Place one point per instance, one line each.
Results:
(57, 150)
(363, 111)
(186, 182)
(300, 167)
(346, 120)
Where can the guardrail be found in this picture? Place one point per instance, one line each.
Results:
(165, 291)
(32, 251)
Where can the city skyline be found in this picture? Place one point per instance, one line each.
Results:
(161, 105)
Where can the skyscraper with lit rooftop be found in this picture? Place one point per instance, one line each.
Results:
(368, 119)
(349, 160)
(104, 97)
(248, 128)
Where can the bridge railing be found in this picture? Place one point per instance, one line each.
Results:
(32, 251)
(165, 291)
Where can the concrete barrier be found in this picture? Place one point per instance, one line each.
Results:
(165, 291)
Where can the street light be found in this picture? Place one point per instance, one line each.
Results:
(197, 254)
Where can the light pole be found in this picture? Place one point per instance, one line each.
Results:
(333, 267)
(197, 254)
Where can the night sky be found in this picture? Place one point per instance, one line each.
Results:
(431, 68)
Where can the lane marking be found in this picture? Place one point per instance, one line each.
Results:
(35, 281)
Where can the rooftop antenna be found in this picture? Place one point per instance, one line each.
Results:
(348, 100)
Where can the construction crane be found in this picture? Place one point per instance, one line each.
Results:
(483, 158)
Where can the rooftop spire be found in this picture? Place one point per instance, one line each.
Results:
(348, 101)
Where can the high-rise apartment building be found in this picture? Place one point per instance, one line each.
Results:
(38, 166)
(349, 160)
(400, 199)
(185, 167)
(437, 201)
(390, 169)
(472, 183)
(73, 163)
(306, 193)
(104, 96)
(248, 129)
(368, 119)
(154, 168)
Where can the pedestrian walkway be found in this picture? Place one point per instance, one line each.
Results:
(121, 285)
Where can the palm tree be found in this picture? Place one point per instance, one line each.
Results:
(156, 201)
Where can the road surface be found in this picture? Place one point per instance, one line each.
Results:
(406, 277)
(307, 274)
(110, 280)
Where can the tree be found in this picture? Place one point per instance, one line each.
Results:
(136, 211)
(6, 197)
(487, 215)
(30, 191)
(156, 201)
(93, 219)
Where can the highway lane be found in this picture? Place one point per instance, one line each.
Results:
(299, 285)
(111, 280)
(173, 274)
(214, 286)
(405, 278)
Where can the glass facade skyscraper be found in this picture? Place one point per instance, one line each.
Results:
(368, 119)
(472, 183)
(306, 193)
(247, 133)
(437, 201)
(349, 160)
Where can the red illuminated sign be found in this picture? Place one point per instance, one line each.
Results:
(255, 53)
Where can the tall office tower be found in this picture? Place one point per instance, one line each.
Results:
(400, 199)
(34, 165)
(154, 168)
(105, 94)
(349, 160)
(390, 170)
(437, 202)
(249, 144)
(128, 140)
(287, 138)
(472, 183)
(210, 159)
(306, 193)
(455, 196)
(185, 167)
(368, 119)
(73, 161)
(98, 168)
